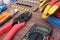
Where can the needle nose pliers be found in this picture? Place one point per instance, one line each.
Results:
(15, 25)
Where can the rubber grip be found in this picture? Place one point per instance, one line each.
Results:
(5, 16)
(50, 38)
(6, 20)
(14, 30)
(6, 28)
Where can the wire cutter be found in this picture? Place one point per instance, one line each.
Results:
(15, 25)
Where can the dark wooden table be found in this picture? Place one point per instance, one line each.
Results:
(36, 18)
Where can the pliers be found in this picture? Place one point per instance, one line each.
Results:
(50, 38)
(15, 25)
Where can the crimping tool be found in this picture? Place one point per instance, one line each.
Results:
(15, 25)
(6, 16)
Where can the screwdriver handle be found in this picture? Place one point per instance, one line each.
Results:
(14, 30)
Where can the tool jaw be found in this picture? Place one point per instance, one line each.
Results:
(24, 17)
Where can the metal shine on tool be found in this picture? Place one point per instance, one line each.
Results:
(6, 16)
(35, 9)
(7, 2)
(56, 9)
(1, 2)
(31, 1)
(14, 0)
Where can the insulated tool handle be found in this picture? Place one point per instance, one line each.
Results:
(6, 28)
(55, 9)
(14, 30)
(57, 14)
(46, 13)
(7, 19)
(3, 16)
(50, 38)
(43, 2)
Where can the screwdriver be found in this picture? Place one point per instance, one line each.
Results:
(6, 16)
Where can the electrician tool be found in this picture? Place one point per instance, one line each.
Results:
(57, 13)
(31, 1)
(47, 10)
(39, 32)
(1, 2)
(14, 0)
(43, 4)
(23, 4)
(35, 9)
(55, 9)
(6, 16)
(54, 20)
(20, 8)
(7, 2)
(3, 7)
(15, 25)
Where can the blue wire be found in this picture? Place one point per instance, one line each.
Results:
(54, 20)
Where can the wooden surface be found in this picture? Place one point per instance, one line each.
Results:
(36, 18)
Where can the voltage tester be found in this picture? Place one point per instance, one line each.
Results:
(38, 32)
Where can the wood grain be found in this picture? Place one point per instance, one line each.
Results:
(36, 18)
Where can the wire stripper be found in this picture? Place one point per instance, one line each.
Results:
(15, 25)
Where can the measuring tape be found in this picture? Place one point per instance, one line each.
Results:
(20, 8)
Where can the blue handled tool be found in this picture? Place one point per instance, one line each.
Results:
(14, 0)
(54, 20)
(2, 7)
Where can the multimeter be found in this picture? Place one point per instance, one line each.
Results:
(38, 32)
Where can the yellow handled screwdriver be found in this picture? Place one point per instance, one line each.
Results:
(46, 13)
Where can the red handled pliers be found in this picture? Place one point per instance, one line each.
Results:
(15, 25)
(50, 38)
